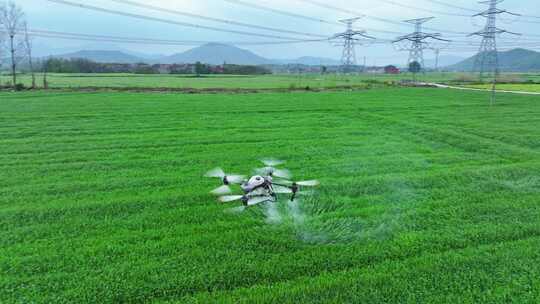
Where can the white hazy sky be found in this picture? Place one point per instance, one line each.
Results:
(45, 15)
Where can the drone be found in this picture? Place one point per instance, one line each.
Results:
(265, 186)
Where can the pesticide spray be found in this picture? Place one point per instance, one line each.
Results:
(331, 219)
(273, 215)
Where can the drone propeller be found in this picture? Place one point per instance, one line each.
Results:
(227, 179)
(223, 190)
(272, 171)
(217, 172)
(230, 198)
(282, 189)
(270, 162)
(309, 183)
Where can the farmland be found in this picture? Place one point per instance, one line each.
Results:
(130, 82)
(426, 196)
(519, 87)
(222, 81)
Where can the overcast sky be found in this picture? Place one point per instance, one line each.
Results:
(45, 15)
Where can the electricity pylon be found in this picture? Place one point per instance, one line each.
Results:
(487, 59)
(350, 38)
(418, 41)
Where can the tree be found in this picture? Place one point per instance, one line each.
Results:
(324, 69)
(1, 50)
(12, 19)
(199, 68)
(28, 43)
(46, 68)
(415, 67)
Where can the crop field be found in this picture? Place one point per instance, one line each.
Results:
(426, 196)
(510, 87)
(314, 81)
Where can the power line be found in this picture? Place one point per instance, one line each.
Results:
(229, 22)
(304, 17)
(167, 21)
(380, 19)
(473, 10)
(452, 5)
(349, 11)
(281, 12)
(424, 9)
(138, 40)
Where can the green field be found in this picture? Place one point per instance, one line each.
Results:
(514, 81)
(314, 81)
(278, 81)
(426, 196)
(510, 87)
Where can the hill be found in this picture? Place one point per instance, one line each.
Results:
(103, 56)
(212, 53)
(516, 60)
(215, 53)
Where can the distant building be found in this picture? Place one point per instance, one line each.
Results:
(374, 70)
(390, 69)
(162, 68)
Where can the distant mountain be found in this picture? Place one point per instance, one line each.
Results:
(103, 56)
(215, 53)
(516, 60)
(212, 53)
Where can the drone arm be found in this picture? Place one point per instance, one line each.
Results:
(294, 188)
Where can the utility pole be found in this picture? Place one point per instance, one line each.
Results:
(364, 66)
(350, 38)
(437, 53)
(418, 42)
(487, 59)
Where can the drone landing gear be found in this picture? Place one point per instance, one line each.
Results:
(294, 189)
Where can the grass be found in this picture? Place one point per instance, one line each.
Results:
(510, 87)
(427, 196)
(314, 81)
(247, 82)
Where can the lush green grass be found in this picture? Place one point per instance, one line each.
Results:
(510, 87)
(221, 81)
(314, 81)
(427, 196)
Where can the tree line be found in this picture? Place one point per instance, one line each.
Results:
(14, 39)
(81, 65)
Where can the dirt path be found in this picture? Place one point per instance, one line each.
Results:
(443, 86)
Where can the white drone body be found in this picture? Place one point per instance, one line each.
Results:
(260, 188)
